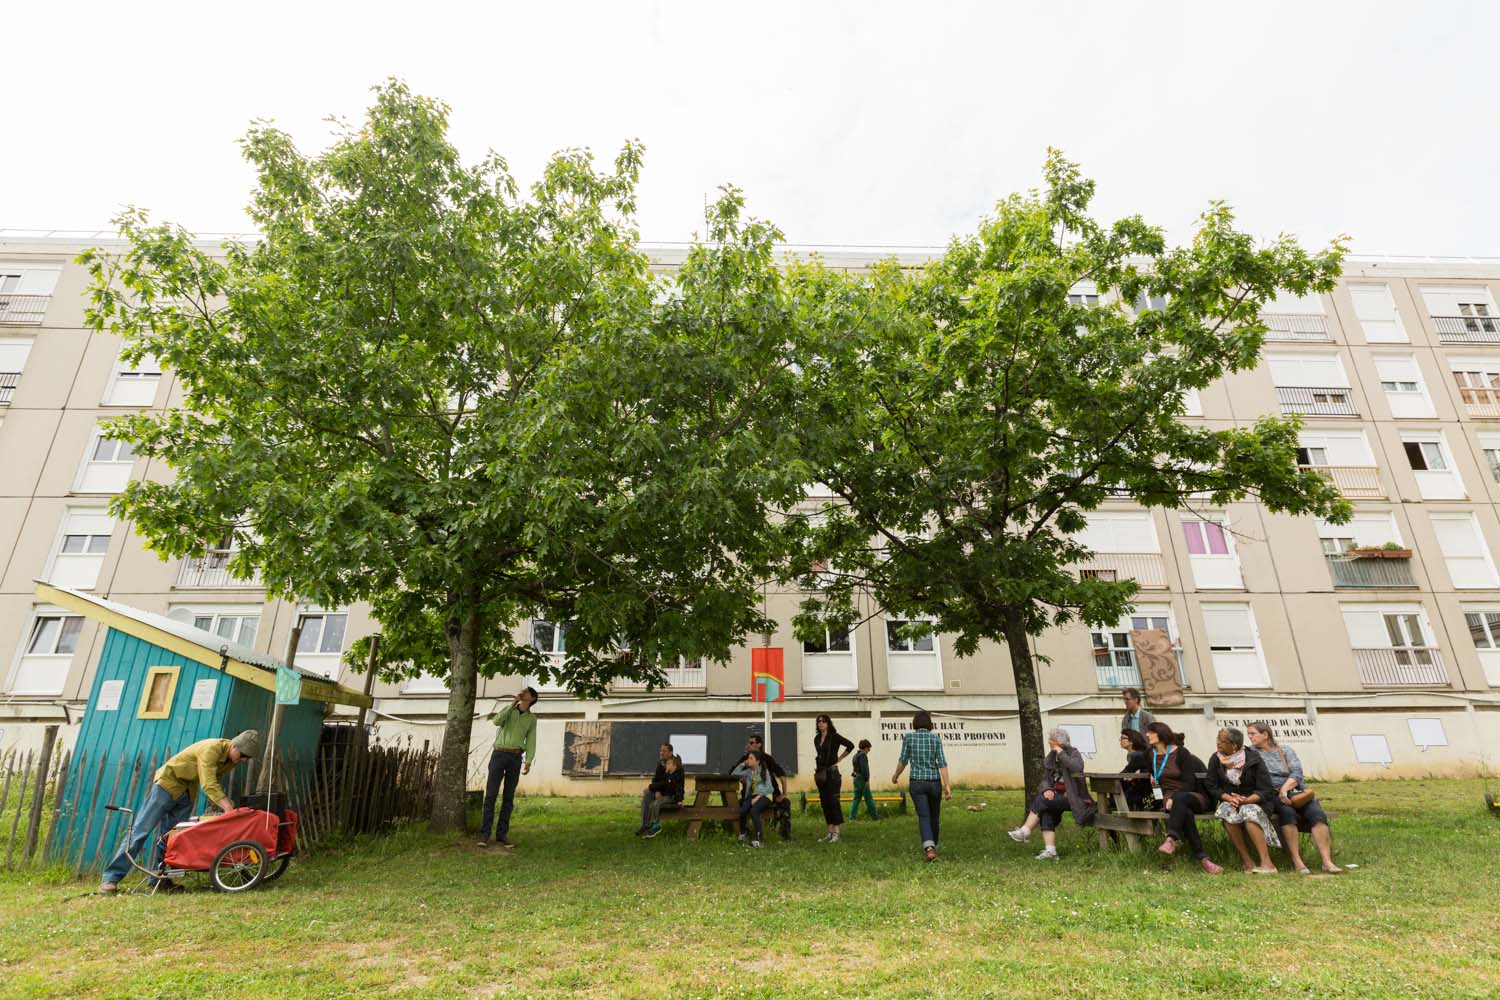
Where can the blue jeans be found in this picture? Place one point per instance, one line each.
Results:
(159, 812)
(927, 798)
(505, 769)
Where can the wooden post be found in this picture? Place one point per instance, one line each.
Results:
(57, 807)
(369, 678)
(15, 823)
(88, 825)
(269, 750)
(39, 796)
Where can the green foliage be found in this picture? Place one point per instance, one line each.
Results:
(968, 416)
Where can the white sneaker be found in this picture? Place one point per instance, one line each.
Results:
(756, 843)
(1049, 854)
(740, 838)
(1020, 834)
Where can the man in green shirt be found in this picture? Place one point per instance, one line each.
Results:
(205, 765)
(515, 739)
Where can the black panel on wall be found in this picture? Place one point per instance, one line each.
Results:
(633, 745)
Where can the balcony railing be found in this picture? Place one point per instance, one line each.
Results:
(1124, 675)
(23, 310)
(678, 679)
(8, 383)
(1357, 482)
(1468, 329)
(1415, 666)
(1477, 402)
(1318, 401)
(1371, 574)
(211, 571)
(1296, 326)
(1146, 568)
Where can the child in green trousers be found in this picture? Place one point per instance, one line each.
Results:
(862, 782)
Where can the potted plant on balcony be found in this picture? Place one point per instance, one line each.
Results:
(1390, 550)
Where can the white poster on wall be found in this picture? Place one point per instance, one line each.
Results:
(1082, 737)
(691, 747)
(1372, 749)
(109, 696)
(203, 693)
(1427, 732)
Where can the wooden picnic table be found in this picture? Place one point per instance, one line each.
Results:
(702, 810)
(1115, 814)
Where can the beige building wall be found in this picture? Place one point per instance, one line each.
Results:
(1314, 683)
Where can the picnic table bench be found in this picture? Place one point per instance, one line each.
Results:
(898, 796)
(1115, 814)
(702, 810)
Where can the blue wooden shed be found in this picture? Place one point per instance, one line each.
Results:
(161, 685)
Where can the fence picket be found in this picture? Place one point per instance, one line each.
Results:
(89, 856)
(39, 794)
(58, 794)
(15, 823)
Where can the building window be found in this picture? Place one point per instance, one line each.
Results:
(1431, 463)
(1234, 646)
(107, 464)
(899, 640)
(1205, 538)
(1484, 628)
(1088, 299)
(133, 384)
(1405, 392)
(1490, 445)
(1376, 311)
(828, 661)
(1464, 551)
(81, 548)
(834, 640)
(1425, 456)
(912, 662)
(321, 633)
(13, 354)
(1114, 652)
(237, 625)
(156, 695)
(1393, 646)
(46, 654)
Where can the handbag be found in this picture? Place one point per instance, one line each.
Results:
(1299, 800)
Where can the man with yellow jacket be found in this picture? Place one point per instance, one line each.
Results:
(204, 765)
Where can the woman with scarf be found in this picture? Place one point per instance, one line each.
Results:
(1239, 782)
(1062, 790)
(1174, 783)
(1284, 769)
(826, 746)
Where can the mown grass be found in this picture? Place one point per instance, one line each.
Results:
(582, 909)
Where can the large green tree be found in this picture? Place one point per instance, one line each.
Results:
(422, 388)
(967, 416)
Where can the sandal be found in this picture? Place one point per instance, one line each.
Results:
(1333, 869)
(1304, 870)
(931, 853)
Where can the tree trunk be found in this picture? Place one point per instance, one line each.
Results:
(1033, 741)
(451, 787)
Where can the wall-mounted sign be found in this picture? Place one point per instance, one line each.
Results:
(109, 696)
(203, 693)
(964, 732)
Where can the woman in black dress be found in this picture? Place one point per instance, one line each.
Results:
(826, 746)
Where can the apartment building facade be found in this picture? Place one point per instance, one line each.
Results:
(1373, 646)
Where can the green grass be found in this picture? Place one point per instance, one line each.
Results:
(584, 909)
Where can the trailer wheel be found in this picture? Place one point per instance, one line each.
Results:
(238, 867)
(278, 866)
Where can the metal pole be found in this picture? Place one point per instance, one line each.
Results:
(369, 678)
(264, 784)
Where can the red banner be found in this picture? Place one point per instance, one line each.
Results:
(767, 674)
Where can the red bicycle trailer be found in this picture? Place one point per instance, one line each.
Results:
(239, 849)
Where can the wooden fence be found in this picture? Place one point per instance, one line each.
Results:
(52, 802)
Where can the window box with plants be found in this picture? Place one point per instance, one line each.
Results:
(1390, 550)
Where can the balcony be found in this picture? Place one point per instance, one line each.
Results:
(8, 383)
(1317, 401)
(1414, 666)
(1298, 327)
(1117, 676)
(1467, 329)
(1147, 569)
(684, 678)
(23, 310)
(1483, 403)
(1357, 482)
(1371, 574)
(211, 572)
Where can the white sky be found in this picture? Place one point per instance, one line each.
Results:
(867, 123)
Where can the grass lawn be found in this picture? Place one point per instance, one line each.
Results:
(584, 909)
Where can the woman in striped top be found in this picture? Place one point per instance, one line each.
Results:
(922, 751)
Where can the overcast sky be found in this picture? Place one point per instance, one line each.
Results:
(858, 124)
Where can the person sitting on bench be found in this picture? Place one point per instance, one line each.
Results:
(754, 745)
(669, 792)
(1239, 782)
(1174, 783)
(762, 785)
(1137, 761)
(1285, 771)
(663, 754)
(1062, 790)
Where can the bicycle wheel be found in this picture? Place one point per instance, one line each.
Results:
(238, 867)
(278, 866)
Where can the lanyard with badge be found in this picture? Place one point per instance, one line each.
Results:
(1156, 773)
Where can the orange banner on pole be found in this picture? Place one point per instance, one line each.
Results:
(767, 674)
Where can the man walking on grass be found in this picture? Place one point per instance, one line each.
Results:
(515, 749)
(173, 793)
